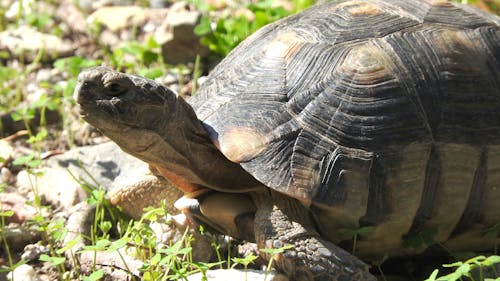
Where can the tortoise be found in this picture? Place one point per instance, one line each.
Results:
(361, 114)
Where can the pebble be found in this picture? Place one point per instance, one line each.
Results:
(6, 175)
(18, 236)
(6, 151)
(23, 272)
(34, 251)
(12, 201)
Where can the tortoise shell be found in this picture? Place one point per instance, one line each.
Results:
(371, 112)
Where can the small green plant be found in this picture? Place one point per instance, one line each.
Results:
(274, 253)
(464, 270)
(354, 234)
(96, 275)
(10, 90)
(245, 262)
(493, 233)
(229, 31)
(421, 239)
(139, 57)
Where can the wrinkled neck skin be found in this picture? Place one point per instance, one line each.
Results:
(183, 152)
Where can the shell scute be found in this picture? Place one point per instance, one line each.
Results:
(362, 75)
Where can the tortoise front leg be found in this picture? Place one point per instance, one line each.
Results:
(281, 221)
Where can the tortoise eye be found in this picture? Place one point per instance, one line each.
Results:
(115, 89)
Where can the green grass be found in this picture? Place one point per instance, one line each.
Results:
(230, 30)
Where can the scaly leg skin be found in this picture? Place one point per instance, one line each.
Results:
(281, 221)
(134, 194)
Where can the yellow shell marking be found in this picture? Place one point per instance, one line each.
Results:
(442, 3)
(367, 62)
(283, 46)
(241, 144)
(361, 8)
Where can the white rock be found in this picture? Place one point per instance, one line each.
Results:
(6, 151)
(30, 41)
(119, 17)
(56, 186)
(13, 11)
(237, 274)
(23, 272)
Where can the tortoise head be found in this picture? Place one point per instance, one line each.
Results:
(117, 102)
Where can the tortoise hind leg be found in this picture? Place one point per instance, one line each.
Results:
(281, 221)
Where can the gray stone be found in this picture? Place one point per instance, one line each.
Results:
(100, 164)
(18, 236)
(157, 4)
(177, 38)
(59, 183)
(34, 251)
(29, 42)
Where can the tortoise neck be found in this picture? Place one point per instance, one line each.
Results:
(184, 149)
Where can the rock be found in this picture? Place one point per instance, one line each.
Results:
(100, 165)
(19, 236)
(28, 42)
(16, 7)
(78, 224)
(23, 272)
(176, 36)
(248, 248)
(90, 5)
(6, 176)
(6, 151)
(172, 28)
(33, 251)
(55, 186)
(115, 266)
(110, 38)
(16, 203)
(104, 162)
(168, 233)
(119, 17)
(71, 15)
(238, 274)
(157, 4)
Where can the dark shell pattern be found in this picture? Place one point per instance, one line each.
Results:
(374, 113)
